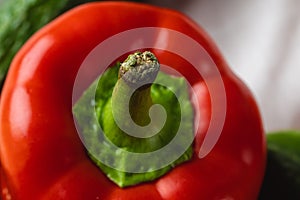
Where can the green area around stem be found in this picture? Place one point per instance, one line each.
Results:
(114, 151)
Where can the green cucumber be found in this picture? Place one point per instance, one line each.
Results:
(19, 19)
(282, 178)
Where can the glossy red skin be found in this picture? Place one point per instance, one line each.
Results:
(41, 153)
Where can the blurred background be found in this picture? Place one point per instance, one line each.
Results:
(260, 39)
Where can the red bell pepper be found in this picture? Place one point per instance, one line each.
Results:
(42, 155)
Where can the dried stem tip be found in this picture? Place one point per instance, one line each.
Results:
(139, 68)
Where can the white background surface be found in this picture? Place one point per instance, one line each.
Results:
(260, 39)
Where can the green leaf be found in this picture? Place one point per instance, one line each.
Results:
(19, 19)
(282, 178)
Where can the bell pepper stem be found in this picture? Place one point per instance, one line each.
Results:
(131, 97)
